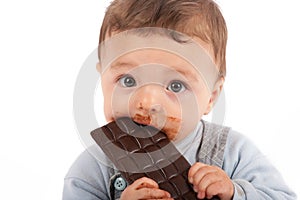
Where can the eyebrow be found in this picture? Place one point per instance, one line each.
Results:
(127, 65)
(186, 73)
(117, 65)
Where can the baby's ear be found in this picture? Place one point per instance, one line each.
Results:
(215, 94)
(98, 66)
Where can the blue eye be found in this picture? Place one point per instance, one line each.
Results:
(127, 81)
(176, 86)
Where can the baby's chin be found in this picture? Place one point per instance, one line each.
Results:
(169, 125)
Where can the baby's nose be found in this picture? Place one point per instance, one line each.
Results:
(148, 99)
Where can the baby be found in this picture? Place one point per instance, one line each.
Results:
(162, 63)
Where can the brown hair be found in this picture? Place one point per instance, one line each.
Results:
(199, 18)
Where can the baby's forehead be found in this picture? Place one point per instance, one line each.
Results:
(191, 52)
(153, 62)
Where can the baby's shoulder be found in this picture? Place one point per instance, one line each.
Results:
(88, 177)
(240, 143)
(90, 164)
(234, 139)
(240, 152)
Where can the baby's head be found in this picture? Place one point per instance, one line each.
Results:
(162, 62)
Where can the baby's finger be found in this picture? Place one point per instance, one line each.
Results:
(204, 179)
(194, 168)
(224, 189)
(144, 183)
(163, 199)
(152, 193)
(214, 189)
(203, 171)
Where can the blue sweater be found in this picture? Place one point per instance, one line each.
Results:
(253, 176)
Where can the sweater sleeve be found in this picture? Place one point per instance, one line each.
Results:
(87, 179)
(253, 176)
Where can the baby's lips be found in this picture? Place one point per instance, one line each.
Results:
(149, 120)
(170, 127)
(142, 119)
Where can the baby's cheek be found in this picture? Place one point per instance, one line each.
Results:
(108, 109)
(172, 127)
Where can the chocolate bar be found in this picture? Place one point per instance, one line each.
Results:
(143, 151)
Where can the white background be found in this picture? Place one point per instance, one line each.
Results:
(44, 43)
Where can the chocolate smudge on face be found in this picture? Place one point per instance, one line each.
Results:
(170, 128)
(141, 119)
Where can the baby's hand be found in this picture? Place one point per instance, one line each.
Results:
(144, 188)
(209, 181)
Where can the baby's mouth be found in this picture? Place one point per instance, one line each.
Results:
(169, 125)
(141, 119)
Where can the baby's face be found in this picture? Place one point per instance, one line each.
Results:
(158, 88)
